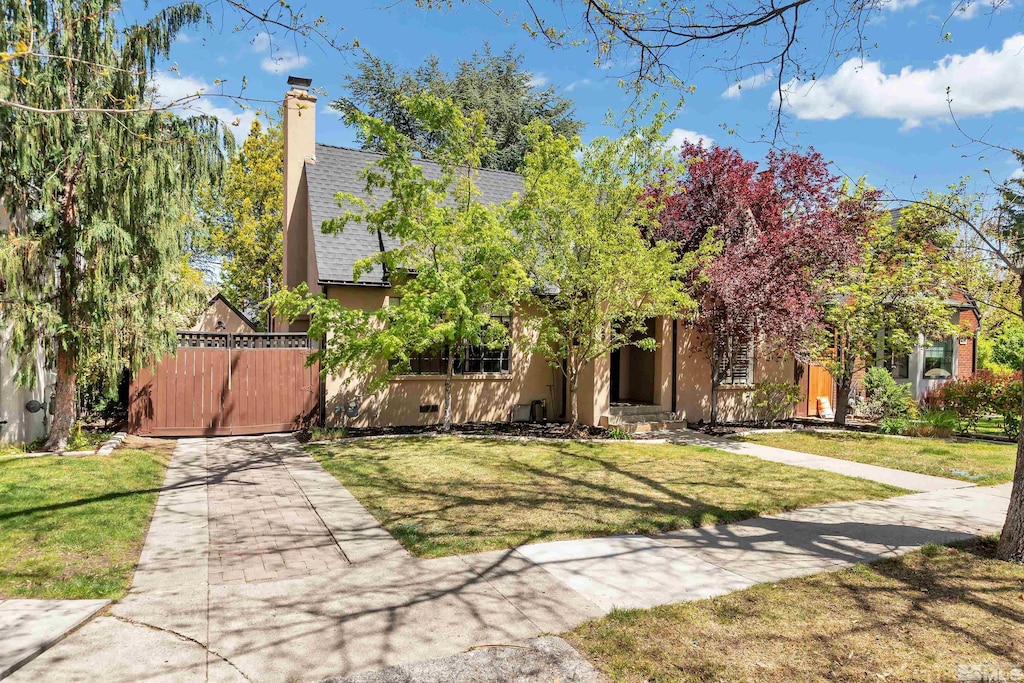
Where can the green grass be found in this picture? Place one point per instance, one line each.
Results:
(915, 618)
(73, 527)
(980, 462)
(444, 496)
(990, 426)
(82, 439)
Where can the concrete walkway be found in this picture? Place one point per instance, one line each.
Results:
(911, 481)
(29, 627)
(260, 566)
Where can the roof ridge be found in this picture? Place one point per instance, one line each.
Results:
(428, 161)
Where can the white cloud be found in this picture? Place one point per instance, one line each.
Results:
(583, 82)
(897, 5)
(979, 83)
(680, 135)
(170, 87)
(537, 80)
(183, 38)
(966, 10)
(1017, 174)
(283, 61)
(261, 42)
(753, 83)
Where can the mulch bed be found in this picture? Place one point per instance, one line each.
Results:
(797, 424)
(544, 430)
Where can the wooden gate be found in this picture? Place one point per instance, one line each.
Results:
(223, 384)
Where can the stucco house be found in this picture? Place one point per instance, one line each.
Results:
(220, 315)
(630, 386)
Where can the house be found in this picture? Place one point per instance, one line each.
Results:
(926, 367)
(220, 315)
(22, 419)
(931, 364)
(628, 386)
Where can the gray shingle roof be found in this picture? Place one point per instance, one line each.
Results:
(337, 170)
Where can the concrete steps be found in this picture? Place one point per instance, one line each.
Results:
(640, 417)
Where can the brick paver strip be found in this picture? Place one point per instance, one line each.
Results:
(262, 528)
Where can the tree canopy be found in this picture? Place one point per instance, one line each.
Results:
(495, 84)
(91, 265)
(896, 291)
(581, 223)
(240, 221)
(453, 272)
(781, 231)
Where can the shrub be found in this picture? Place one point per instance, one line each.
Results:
(940, 424)
(884, 396)
(619, 434)
(983, 393)
(774, 400)
(892, 425)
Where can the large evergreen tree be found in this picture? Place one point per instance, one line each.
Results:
(92, 263)
(495, 84)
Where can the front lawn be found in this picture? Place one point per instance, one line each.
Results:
(916, 618)
(981, 462)
(444, 496)
(73, 527)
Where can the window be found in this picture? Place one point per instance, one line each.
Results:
(468, 359)
(898, 365)
(742, 370)
(938, 359)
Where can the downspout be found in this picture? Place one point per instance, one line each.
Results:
(675, 364)
(322, 418)
(974, 349)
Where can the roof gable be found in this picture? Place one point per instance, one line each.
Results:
(337, 169)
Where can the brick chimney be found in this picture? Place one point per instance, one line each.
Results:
(299, 130)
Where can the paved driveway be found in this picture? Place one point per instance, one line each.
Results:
(260, 566)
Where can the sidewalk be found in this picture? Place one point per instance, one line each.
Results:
(260, 566)
(911, 481)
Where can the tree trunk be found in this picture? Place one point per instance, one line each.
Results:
(842, 400)
(64, 408)
(446, 423)
(574, 408)
(1011, 541)
(715, 383)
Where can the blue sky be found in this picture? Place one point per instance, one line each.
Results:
(885, 117)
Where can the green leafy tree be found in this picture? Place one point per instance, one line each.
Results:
(453, 272)
(241, 221)
(1008, 348)
(496, 84)
(897, 290)
(581, 223)
(92, 262)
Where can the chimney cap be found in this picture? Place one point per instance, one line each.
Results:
(300, 82)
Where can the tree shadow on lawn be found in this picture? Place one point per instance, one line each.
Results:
(487, 500)
(916, 617)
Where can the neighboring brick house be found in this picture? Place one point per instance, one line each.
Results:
(929, 365)
(628, 386)
(923, 369)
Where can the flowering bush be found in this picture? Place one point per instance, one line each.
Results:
(983, 393)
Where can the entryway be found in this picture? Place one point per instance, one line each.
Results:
(632, 371)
